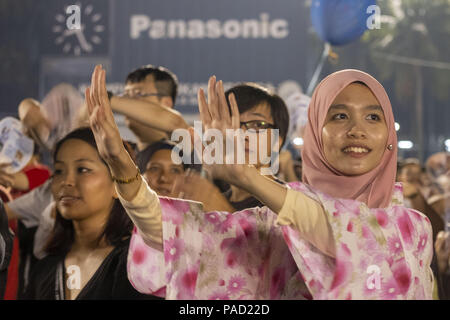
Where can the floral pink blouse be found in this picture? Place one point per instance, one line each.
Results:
(380, 254)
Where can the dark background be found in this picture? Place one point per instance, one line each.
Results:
(32, 61)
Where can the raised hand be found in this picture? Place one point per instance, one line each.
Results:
(107, 137)
(101, 119)
(215, 114)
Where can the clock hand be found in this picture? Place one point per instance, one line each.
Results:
(68, 32)
(64, 35)
(83, 43)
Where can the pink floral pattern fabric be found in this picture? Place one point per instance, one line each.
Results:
(216, 255)
(380, 253)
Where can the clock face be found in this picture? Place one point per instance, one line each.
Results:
(83, 40)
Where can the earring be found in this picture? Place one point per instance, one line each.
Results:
(390, 147)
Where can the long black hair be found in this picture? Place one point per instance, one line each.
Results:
(118, 227)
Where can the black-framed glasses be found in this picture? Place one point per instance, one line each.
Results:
(257, 125)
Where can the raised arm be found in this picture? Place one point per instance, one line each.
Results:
(26, 106)
(18, 180)
(129, 182)
(34, 121)
(151, 114)
(215, 114)
(293, 207)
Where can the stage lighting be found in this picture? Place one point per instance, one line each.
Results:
(405, 144)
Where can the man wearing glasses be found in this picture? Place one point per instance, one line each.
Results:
(147, 104)
(260, 111)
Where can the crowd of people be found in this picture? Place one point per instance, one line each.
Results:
(93, 216)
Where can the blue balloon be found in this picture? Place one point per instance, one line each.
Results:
(339, 22)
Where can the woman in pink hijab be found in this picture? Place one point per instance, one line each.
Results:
(379, 248)
(344, 234)
(345, 225)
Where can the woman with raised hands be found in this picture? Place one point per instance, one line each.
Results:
(129, 183)
(345, 226)
(169, 253)
(379, 248)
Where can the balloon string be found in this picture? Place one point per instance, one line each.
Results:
(315, 77)
(333, 56)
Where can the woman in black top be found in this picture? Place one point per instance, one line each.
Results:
(89, 243)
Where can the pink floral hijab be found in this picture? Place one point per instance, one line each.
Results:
(375, 188)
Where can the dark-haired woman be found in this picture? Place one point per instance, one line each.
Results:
(87, 250)
(156, 165)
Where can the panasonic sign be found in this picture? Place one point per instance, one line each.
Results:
(262, 28)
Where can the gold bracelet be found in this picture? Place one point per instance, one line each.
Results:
(129, 180)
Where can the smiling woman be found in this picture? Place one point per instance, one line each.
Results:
(346, 227)
(354, 133)
(350, 141)
(155, 162)
(349, 166)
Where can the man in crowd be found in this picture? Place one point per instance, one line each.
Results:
(147, 104)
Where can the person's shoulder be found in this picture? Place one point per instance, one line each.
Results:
(416, 213)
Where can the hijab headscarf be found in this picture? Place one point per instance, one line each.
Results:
(375, 187)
